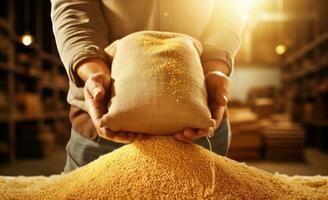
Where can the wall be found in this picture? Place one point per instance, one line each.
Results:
(246, 77)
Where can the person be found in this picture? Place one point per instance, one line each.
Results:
(83, 28)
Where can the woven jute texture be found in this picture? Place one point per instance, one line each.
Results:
(158, 84)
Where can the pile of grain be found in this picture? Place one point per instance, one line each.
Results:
(163, 168)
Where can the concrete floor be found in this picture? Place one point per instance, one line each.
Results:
(53, 164)
(316, 163)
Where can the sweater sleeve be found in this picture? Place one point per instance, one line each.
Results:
(80, 31)
(221, 37)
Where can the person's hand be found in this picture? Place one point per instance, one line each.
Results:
(217, 84)
(97, 79)
(188, 135)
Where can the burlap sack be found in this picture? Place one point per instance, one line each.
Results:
(158, 84)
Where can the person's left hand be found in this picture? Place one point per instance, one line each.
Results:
(97, 79)
(217, 84)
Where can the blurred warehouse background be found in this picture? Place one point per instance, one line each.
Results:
(278, 97)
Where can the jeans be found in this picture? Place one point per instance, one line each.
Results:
(81, 151)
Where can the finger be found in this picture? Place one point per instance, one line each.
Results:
(138, 136)
(123, 137)
(141, 136)
(131, 136)
(221, 100)
(95, 108)
(218, 115)
(202, 133)
(182, 138)
(118, 137)
(196, 134)
(190, 133)
(121, 141)
(206, 132)
(222, 90)
(107, 133)
(96, 89)
(106, 136)
(223, 84)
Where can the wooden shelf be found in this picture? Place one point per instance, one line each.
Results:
(4, 118)
(62, 114)
(304, 76)
(53, 86)
(4, 148)
(4, 24)
(12, 68)
(51, 58)
(47, 85)
(306, 71)
(22, 118)
(21, 71)
(307, 49)
(18, 70)
(317, 122)
(12, 72)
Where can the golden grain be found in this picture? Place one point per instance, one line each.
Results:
(163, 168)
(170, 62)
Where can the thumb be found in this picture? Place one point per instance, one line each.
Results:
(222, 100)
(218, 116)
(96, 89)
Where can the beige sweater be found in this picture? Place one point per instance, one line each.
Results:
(83, 28)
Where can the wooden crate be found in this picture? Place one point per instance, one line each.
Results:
(284, 141)
(246, 142)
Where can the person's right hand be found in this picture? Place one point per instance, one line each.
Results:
(97, 79)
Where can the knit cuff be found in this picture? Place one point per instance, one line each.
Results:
(213, 53)
(90, 52)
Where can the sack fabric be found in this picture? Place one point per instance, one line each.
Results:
(158, 84)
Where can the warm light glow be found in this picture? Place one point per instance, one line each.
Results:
(245, 16)
(27, 39)
(280, 49)
(246, 6)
